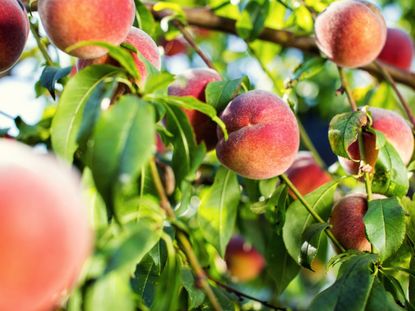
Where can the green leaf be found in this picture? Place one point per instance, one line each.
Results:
(380, 299)
(282, 268)
(146, 280)
(307, 70)
(120, 54)
(189, 102)
(123, 143)
(385, 226)
(69, 114)
(51, 75)
(134, 244)
(352, 287)
(252, 19)
(111, 292)
(143, 18)
(298, 219)
(220, 93)
(183, 142)
(311, 237)
(218, 209)
(195, 295)
(391, 175)
(344, 130)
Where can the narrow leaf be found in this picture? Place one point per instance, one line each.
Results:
(311, 237)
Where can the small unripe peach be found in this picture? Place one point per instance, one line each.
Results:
(193, 83)
(351, 32)
(244, 263)
(398, 50)
(72, 21)
(396, 131)
(263, 135)
(14, 29)
(142, 42)
(306, 174)
(44, 231)
(347, 222)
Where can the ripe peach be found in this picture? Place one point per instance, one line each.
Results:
(306, 174)
(72, 21)
(193, 83)
(398, 50)
(244, 263)
(350, 32)
(263, 135)
(14, 30)
(397, 132)
(142, 42)
(347, 222)
(44, 231)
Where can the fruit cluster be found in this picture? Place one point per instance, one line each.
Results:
(43, 223)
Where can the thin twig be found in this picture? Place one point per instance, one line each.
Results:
(41, 46)
(189, 38)
(311, 211)
(8, 116)
(345, 88)
(243, 295)
(402, 100)
(201, 279)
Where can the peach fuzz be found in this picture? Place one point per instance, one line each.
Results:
(14, 30)
(398, 50)
(72, 21)
(43, 226)
(193, 83)
(397, 132)
(347, 222)
(305, 174)
(263, 136)
(350, 32)
(244, 262)
(142, 42)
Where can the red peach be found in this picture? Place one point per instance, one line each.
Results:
(14, 30)
(351, 32)
(347, 222)
(306, 174)
(142, 42)
(398, 50)
(44, 230)
(244, 262)
(193, 83)
(174, 47)
(397, 132)
(263, 135)
(72, 21)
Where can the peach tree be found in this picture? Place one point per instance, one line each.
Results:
(185, 120)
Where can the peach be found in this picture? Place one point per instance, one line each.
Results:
(193, 83)
(306, 174)
(142, 42)
(14, 30)
(263, 135)
(350, 32)
(398, 50)
(244, 262)
(72, 21)
(44, 230)
(174, 47)
(347, 222)
(397, 132)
